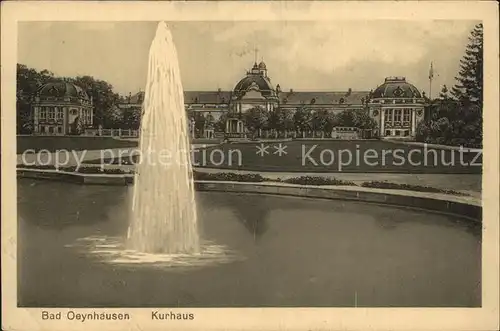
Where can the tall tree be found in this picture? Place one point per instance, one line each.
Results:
(256, 119)
(469, 86)
(302, 119)
(131, 118)
(281, 120)
(320, 120)
(28, 82)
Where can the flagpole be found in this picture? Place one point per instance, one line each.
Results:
(431, 76)
(430, 88)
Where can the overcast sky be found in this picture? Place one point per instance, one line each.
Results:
(300, 55)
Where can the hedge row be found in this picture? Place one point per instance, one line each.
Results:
(409, 187)
(318, 181)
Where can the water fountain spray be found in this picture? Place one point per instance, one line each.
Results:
(163, 215)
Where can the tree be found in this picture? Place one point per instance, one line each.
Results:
(115, 118)
(220, 123)
(445, 93)
(457, 119)
(199, 123)
(346, 118)
(469, 87)
(256, 119)
(320, 120)
(363, 120)
(281, 120)
(452, 123)
(130, 119)
(28, 82)
(103, 97)
(332, 122)
(302, 120)
(357, 118)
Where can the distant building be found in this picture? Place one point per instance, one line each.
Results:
(61, 108)
(396, 105)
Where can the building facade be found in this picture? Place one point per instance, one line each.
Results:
(61, 108)
(396, 105)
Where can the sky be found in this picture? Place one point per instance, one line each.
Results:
(300, 55)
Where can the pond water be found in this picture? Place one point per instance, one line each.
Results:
(259, 251)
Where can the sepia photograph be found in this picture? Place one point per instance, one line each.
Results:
(169, 164)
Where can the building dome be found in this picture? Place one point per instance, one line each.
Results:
(62, 89)
(259, 81)
(396, 87)
(262, 65)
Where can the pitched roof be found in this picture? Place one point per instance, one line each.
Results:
(295, 97)
(192, 97)
(299, 97)
(207, 96)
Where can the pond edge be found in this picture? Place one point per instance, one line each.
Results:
(464, 207)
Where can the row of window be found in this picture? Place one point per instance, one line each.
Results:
(51, 113)
(57, 113)
(397, 115)
(397, 133)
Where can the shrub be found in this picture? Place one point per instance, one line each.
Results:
(419, 188)
(310, 180)
(83, 170)
(44, 167)
(228, 176)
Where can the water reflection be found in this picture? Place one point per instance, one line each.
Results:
(252, 213)
(60, 205)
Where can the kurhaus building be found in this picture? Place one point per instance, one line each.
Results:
(396, 106)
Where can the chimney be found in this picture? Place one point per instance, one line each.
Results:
(129, 96)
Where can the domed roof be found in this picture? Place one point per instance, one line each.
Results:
(396, 87)
(263, 83)
(62, 89)
(262, 65)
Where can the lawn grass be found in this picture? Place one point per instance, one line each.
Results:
(70, 143)
(348, 157)
(80, 143)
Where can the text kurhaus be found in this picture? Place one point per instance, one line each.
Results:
(156, 315)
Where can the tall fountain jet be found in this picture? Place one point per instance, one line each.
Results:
(163, 215)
